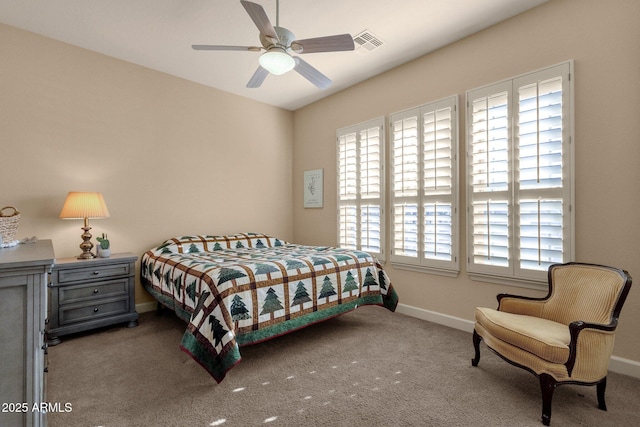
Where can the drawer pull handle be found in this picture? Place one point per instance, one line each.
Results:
(95, 310)
(95, 291)
(95, 273)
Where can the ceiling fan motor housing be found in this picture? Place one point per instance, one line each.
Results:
(286, 38)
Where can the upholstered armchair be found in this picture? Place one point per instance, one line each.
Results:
(564, 338)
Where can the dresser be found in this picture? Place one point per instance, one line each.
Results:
(23, 308)
(85, 294)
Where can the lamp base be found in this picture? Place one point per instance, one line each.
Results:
(86, 244)
(86, 255)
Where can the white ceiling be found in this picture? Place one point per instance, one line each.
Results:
(158, 34)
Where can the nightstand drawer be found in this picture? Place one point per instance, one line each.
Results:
(84, 313)
(93, 291)
(91, 273)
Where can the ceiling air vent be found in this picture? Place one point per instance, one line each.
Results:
(366, 42)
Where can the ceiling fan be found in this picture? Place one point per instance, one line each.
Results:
(279, 43)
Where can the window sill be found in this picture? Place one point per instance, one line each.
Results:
(425, 269)
(539, 285)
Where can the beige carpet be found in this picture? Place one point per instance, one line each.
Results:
(369, 367)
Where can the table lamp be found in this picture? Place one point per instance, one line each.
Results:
(84, 205)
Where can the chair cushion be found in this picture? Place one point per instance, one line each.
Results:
(546, 339)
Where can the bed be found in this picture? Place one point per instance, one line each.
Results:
(242, 289)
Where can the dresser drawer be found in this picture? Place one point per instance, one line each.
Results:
(91, 273)
(93, 291)
(88, 312)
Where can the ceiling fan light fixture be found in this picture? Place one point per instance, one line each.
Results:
(277, 61)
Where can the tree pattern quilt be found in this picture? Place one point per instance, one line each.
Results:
(245, 288)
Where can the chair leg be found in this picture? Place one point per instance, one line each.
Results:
(601, 387)
(547, 386)
(476, 345)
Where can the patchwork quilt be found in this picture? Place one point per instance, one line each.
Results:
(245, 288)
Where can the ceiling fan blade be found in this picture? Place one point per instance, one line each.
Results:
(218, 47)
(260, 18)
(336, 43)
(257, 78)
(311, 74)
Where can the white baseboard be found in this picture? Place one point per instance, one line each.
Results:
(439, 318)
(624, 366)
(617, 364)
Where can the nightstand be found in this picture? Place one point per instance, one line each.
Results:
(85, 294)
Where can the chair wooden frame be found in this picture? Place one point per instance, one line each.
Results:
(548, 383)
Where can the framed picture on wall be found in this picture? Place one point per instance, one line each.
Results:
(313, 188)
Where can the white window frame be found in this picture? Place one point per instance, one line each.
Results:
(354, 235)
(419, 194)
(512, 273)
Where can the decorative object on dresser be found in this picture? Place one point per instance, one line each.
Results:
(84, 205)
(23, 309)
(104, 246)
(9, 222)
(91, 293)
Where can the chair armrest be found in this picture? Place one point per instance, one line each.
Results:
(518, 304)
(575, 329)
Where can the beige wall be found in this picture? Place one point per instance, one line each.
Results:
(170, 156)
(603, 38)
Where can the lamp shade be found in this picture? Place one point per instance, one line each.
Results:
(277, 61)
(80, 205)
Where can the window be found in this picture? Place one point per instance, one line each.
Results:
(361, 187)
(424, 194)
(519, 175)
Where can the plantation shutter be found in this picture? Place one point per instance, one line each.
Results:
(438, 175)
(348, 191)
(361, 187)
(370, 189)
(488, 159)
(543, 189)
(405, 185)
(424, 187)
(520, 184)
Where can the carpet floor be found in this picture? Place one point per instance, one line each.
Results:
(369, 367)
